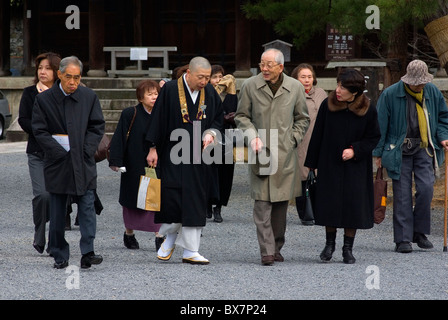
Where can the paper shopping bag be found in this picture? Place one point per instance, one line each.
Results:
(148, 197)
(240, 154)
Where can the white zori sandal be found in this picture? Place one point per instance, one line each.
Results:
(163, 254)
(196, 259)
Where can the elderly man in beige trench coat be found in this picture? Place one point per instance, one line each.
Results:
(273, 116)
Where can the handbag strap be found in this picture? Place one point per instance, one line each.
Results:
(311, 179)
(379, 174)
(311, 175)
(132, 122)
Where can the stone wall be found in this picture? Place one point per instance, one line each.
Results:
(16, 43)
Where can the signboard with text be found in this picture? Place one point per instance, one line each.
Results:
(339, 45)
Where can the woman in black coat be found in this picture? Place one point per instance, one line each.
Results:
(47, 65)
(345, 133)
(128, 151)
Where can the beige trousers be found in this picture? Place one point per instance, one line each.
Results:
(270, 220)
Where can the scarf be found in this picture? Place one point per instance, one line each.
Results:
(226, 84)
(418, 98)
(275, 86)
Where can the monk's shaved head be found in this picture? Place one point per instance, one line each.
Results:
(199, 63)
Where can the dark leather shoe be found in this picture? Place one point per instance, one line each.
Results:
(209, 212)
(347, 248)
(61, 265)
(217, 214)
(422, 241)
(278, 257)
(330, 246)
(267, 260)
(307, 222)
(130, 242)
(327, 252)
(90, 258)
(403, 247)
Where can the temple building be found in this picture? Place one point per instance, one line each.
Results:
(217, 30)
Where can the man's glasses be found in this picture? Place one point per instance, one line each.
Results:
(268, 65)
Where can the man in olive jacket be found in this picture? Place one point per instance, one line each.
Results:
(68, 124)
(273, 116)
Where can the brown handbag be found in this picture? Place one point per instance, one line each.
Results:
(103, 150)
(379, 197)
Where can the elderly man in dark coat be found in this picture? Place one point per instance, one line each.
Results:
(68, 124)
(185, 111)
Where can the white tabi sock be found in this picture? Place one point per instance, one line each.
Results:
(169, 241)
(189, 254)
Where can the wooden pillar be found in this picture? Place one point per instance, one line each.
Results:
(242, 45)
(5, 46)
(96, 39)
(137, 17)
(28, 69)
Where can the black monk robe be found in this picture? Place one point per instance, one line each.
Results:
(185, 186)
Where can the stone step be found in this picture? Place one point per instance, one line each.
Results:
(111, 125)
(111, 115)
(113, 83)
(112, 109)
(117, 104)
(112, 94)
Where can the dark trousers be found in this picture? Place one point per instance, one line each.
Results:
(41, 199)
(409, 218)
(59, 247)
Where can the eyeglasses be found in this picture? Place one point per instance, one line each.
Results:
(268, 65)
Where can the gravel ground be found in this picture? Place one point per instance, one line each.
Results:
(234, 273)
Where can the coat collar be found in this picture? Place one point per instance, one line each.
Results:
(310, 93)
(401, 92)
(261, 84)
(59, 95)
(359, 106)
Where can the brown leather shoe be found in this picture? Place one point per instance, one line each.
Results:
(267, 260)
(278, 257)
